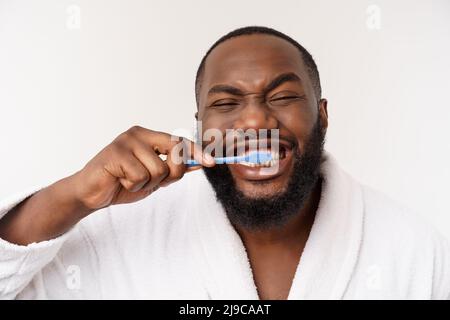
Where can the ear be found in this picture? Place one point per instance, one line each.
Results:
(323, 113)
(196, 116)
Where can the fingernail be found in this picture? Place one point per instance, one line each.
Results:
(208, 158)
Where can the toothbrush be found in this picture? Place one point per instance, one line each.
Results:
(252, 157)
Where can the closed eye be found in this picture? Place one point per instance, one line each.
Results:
(225, 104)
(287, 96)
(285, 100)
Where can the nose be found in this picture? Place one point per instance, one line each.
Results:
(256, 115)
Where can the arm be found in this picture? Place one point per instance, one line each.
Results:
(44, 215)
(33, 232)
(127, 170)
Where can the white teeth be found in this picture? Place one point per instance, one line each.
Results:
(248, 164)
(275, 158)
(269, 163)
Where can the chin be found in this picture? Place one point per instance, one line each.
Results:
(262, 188)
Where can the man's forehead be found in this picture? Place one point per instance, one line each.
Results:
(252, 57)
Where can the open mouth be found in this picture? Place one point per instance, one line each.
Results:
(276, 156)
(281, 153)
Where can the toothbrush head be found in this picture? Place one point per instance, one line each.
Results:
(258, 157)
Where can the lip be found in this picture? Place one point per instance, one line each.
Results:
(261, 174)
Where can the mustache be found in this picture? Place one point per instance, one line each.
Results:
(233, 139)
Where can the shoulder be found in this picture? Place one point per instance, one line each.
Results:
(394, 220)
(406, 240)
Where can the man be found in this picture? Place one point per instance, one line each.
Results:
(306, 230)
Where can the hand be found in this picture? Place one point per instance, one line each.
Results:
(130, 168)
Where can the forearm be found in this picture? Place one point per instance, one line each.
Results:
(127, 170)
(43, 216)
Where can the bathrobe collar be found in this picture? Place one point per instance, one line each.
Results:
(328, 259)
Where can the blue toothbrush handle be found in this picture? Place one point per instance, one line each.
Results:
(192, 163)
(253, 158)
(218, 160)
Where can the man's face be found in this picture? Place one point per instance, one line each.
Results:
(240, 91)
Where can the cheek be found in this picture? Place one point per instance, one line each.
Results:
(210, 122)
(212, 132)
(298, 122)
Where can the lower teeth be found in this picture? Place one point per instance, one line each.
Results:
(262, 165)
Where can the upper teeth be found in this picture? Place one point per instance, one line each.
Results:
(264, 164)
(275, 157)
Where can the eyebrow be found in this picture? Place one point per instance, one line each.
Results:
(282, 78)
(223, 88)
(279, 80)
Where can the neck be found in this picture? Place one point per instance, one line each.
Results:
(295, 231)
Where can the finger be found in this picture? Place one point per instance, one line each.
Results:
(163, 143)
(187, 149)
(157, 168)
(176, 168)
(203, 158)
(176, 160)
(160, 142)
(131, 173)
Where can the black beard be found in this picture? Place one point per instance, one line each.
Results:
(273, 211)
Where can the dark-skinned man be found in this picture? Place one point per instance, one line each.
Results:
(306, 230)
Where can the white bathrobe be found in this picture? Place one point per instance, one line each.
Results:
(178, 244)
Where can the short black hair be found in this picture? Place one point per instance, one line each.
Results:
(308, 60)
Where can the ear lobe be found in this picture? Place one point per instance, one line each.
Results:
(323, 112)
(323, 104)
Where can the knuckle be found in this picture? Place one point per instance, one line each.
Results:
(140, 177)
(115, 149)
(176, 173)
(150, 189)
(144, 177)
(122, 139)
(135, 129)
(132, 133)
(129, 185)
(161, 171)
(176, 178)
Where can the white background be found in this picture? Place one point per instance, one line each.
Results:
(65, 92)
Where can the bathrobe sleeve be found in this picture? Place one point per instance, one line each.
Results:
(26, 271)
